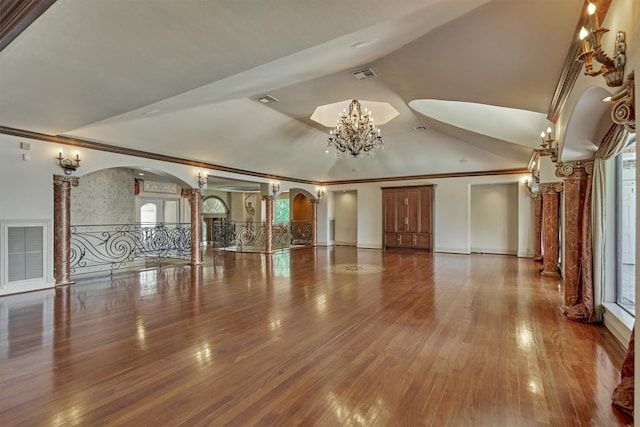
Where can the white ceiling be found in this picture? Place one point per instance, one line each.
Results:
(182, 78)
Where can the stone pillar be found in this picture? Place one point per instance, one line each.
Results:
(575, 177)
(537, 200)
(268, 224)
(550, 203)
(314, 222)
(62, 228)
(195, 202)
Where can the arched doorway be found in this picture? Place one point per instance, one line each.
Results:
(215, 215)
(301, 220)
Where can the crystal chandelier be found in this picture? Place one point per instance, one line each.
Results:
(355, 133)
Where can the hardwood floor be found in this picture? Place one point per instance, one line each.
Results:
(326, 337)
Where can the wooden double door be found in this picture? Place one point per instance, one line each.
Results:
(408, 217)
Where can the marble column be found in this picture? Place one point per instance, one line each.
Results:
(575, 177)
(62, 228)
(195, 202)
(537, 201)
(314, 222)
(268, 223)
(550, 204)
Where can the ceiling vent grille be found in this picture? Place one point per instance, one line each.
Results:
(267, 99)
(366, 73)
(420, 128)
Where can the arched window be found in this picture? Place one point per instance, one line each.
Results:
(148, 214)
(214, 206)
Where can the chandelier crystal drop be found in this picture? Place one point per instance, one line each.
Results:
(355, 133)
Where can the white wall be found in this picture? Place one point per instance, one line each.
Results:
(451, 216)
(494, 218)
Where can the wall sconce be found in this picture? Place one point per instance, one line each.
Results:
(275, 187)
(532, 187)
(623, 111)
(68, 165)
(202, 180)
(612, 68)
(549, 146)
(320, 193)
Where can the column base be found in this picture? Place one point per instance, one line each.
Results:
(550, 273)
(65, 283)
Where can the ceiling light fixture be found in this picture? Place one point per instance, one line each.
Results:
(355, 133)
(612, 69)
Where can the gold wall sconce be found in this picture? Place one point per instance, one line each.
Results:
(611, 68)
(549, 146)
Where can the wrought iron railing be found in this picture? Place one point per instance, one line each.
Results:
(301, 232)
(249, 236)
(113, 247)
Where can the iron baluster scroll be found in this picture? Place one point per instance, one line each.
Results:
(301, 232)
(99, 248)
(245, 236)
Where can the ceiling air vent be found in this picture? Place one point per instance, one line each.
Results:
(420, 128)
(363, 74)
(267, 99)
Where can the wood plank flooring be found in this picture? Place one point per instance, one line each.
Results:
(311, 337)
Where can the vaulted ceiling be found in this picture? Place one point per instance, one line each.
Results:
(183, 78)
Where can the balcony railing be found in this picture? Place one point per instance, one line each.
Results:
(251, 237)
(119, 247)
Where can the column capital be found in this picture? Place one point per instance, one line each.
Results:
(62, 179)
(268, 197)
(190, 192)
(551, 187)
(574, 170)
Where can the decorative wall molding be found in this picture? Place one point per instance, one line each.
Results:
(572, 67)
(160, 187)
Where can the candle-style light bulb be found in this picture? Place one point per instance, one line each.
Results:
(583, 37)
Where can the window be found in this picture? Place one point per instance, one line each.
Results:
(148, 214)
(626, 227)
(282, 210)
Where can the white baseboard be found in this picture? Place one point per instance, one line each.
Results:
(618, 322)
(27, 286)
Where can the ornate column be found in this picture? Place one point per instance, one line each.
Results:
(550, 203)
(268, 224)
(575, 177)
(62, 228)
(537, 200)
(314, 222)
(195, 202)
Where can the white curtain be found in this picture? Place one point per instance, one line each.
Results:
(612, 144)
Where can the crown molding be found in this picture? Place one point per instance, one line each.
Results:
(83, 143)
(17, 15)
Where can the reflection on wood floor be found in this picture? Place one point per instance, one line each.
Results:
(326, 337)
